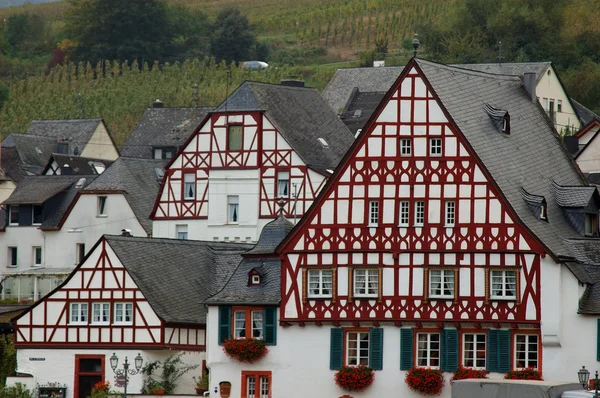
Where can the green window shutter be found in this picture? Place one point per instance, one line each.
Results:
(504, 351)
(449, 354)
(224, 323)
(376, 348)
(598, 341)
(492, 351)
(270, 325)
(336, 349)
(406, 349)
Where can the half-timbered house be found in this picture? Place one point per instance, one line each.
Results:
(265, 142)
(129, 295)
(457, 230)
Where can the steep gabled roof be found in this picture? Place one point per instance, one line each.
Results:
(162, 127)
(359, 109)
(38, 189)
(176, 275)
(28, 154)
(513, 69)
(585, 115)
(301, 117)
(78, 165)
(137, 179)
(79, 130)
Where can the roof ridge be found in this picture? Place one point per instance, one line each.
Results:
(282, 86)
(467, 71)
(67, 120)
(180, 241)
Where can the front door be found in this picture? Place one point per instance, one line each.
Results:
(89, 370)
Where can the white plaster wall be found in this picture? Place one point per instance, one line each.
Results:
(100, 146)
(589, 160)
(549, 87)
(59, 366)
(6, 189)
(551, 297)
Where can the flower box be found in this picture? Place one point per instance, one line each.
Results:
(425, 381)
(469, 373)
(245, 350)
(524, 374)
(354, 378)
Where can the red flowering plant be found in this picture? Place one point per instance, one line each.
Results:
(245, 350)
(524, 374)
(354, 378)
(468, 373)
(591, 384)
(102, 386)
(425, 381)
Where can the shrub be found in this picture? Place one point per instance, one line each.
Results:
(354, 378)
(16, 391)
(468, 373)
(424, 380)
(245, 350)
(524, 374)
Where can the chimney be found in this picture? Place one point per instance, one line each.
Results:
(572, 143)
(126, 232)
(292, 82)
(158, 104)
(529, 82)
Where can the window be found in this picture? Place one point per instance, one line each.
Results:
(189, 186)
(441, 283)
(79, 313)
(12, 256)
(474, 350)
(98, 167)
(419, 213)
(405, 147)
(79, 252)
(504, 285)
(559, 105)
(100, 313)
(590, 224)
(123, 312)
(181, 231)
(157, 153)
(357, 348)
(373, 213)
(242, 328)
(545, 103)
(366, 282)
(256, 384)
(543, 211)
(526, 351)
(428, 350)
(404, 209)
(102, 206)
(13, 215)
(233, 209)
(234, 137)
(450, 213)
(36, 256)
(36, 215)
(435, 146)
(551, 105)
(283, 184)
(255, 280)
(320, 283)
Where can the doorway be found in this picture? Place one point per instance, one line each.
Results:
(89, 370)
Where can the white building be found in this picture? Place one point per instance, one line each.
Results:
(266, 142)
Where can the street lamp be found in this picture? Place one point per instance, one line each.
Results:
(584, 377)
(114, 361)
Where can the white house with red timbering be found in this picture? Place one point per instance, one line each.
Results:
(266, 142)
(456, 230)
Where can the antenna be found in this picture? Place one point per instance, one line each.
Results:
(499, 56)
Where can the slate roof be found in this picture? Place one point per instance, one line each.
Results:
(359, 109)
(26, 154)
(175, 275)
(137, 179)
(573, 196)
(588, 274)
(339, 89)
(301, 117)
(585, 115)
(263, 259)
(79, 130)
(79, 165)
(162, 127)
(513, 69)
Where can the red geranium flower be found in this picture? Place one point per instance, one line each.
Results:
(245, 350)
(354, 378)
(424, 380)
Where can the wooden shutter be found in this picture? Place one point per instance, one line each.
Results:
(336, 349)
(224, 323)
(498, 354)
(406, 349)
(449, 354)
(376, 348)
(270, 325)
(492, 351)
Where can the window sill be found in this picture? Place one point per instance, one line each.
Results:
(77, 324)
(12, 266)
(403, 226)
(419, 225)
(373, 225)
(123, 324)
(102, 216)
(449, 226)
(322, 298)
(36, 224)
(356, 297)
(443, 298)
(37, 266)
(189, 199)
(100, 324)
(502, 299)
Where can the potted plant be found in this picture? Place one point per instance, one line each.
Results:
(201, 384)
(354, 378)
(468, 373)
(247, 350)
(425, 381)
(524, 374)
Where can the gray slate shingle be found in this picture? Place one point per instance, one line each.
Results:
(359, 109)
(573, 196)
(585, 115)
(79, 130)
(27, 154)
(78, 165)
(38, 189)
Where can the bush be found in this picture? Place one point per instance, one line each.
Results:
(16, 391)
(524, 374)
(468, 373)
(354, 378)
(425, 381)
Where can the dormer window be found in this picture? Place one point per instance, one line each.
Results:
(13, 215)
(544, 211)
(506, 124)
(323, 143)
(254, 278)
(500, 118)
(591, 224)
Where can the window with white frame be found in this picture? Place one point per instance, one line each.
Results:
(503, 284)
(419, 213)
(12, 256)
(13, 215)
(357, 348)
(474, 350)
(405, 147)
(283, 184)
(404, 214)
(78, 313)
(450, 213)
(181, 231)
(428, 350)
(366, 282)
(256, 384)
(102, 206)
(441, 283)
(36, 256)
(591, 221)
(36, 215)
(248, 323)
(526, 351)
(320, 283)
(123, 312)
(373, 213)
(100, 313)
(435, 146)
(233, 209)
(559, 105)
(189, 186)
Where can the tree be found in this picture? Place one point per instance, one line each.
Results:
(233, 38)
(191, 30)
(122, 30)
